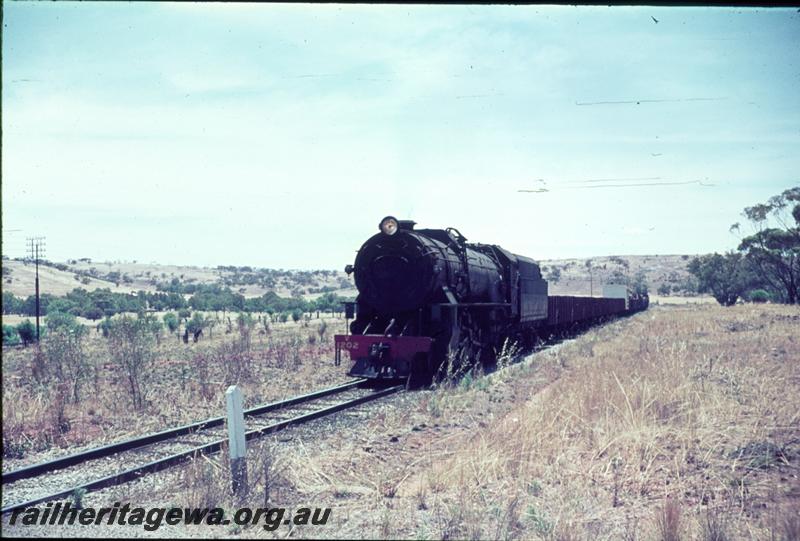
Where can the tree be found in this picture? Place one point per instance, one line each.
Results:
(639, 284)
(105, 326)
(725, 277)
(758, 296)
(94, 313)
(11, 304)
(619, 261)
(687, 285)
(196, 325)
(321, 330)
(131, 345)
(61, 320)
(155, 326)
(245, 323)
(10, 336)
(329, 302)
(64, 351)
(775, 251)
(617, 277)
(104, 299)
(61, 305)
(27, 332)
(171, 321)
(588, 264)
(210, 324)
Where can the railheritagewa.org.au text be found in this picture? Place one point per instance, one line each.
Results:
(151, 519)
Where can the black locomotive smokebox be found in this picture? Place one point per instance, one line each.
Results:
(392, 272)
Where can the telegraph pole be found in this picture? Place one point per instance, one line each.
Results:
(36, 249)
(591, 278)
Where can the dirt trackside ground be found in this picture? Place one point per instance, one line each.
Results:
(677, 423)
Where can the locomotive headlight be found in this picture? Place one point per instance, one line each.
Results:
(389, 225)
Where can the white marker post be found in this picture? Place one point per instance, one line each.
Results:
(236, 441)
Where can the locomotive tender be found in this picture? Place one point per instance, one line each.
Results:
(426, 296)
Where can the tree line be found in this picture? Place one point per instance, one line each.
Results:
(101, 303)
(766, 264)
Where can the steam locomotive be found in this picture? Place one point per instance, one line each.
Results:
(428, 299)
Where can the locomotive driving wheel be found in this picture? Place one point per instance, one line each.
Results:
(466, 352)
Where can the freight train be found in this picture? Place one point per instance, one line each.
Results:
(428, 301)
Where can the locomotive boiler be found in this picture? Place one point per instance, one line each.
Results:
(430, 301)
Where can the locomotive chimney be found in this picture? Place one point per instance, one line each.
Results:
(406, 224)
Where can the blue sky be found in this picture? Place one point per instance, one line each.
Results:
(279, 135)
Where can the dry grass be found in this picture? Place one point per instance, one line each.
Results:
(206, 481)
(22, 280)
(677, 423)
(187, 384)
(695, 408)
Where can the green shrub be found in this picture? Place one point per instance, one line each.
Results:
(171, 321)
(61, 320)
(27, 332)
(639, 284)
(132, 348)
(10, 336)
(759, 295)
(105, 326)
(94, 313)
(66, 358)
(196, 324)
(154, 324)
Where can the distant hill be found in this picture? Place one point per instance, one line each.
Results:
(565, 276)
(19, 278)
(126, 277)
(572, 276)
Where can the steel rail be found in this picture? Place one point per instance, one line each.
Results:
(208, 449)
(35, 470)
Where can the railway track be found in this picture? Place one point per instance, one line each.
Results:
(131, 459)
